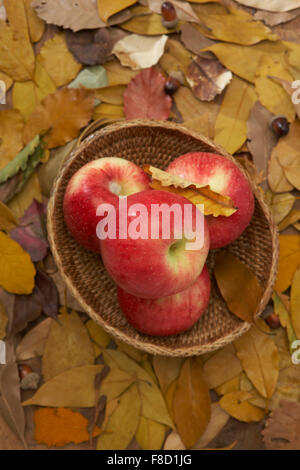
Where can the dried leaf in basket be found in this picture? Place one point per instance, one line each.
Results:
(145, 97)
(214, 203)
(238, 286)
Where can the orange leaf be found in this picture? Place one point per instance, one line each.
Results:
(61, 115)
(60, 426)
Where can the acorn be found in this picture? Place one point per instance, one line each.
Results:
(273, 321)
(280, 126)
(169, 15)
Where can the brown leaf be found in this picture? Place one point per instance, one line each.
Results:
(238, 285)
(289, 31)
(214, 203)
(207, 78)
(274, 18)
(166, 369)
(50, 116)
(191, 403)
(282, 427)
(33, 343)
(194, 40)
(221, 367)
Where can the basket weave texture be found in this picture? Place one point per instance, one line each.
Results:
(156, 143)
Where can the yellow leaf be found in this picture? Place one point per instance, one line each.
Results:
(202, 124)
(150, 435)
(176, 57)
(35, 23)
(123, 422)
(146, 22)
(270, 93)
(231, 124)
(21, 201)
(3, 321)
(260, 360)
(74, 388)
(284, 316)
(111, 94)
(16, 53)
(7, 218)
(221, 367)
(191, 403)
(237, 405)
(33, 343)
(289, 260)
(50, 116)
(17, 271)
(276, 177)
(117, 74)
(280, 205)
(238, 285)
(7, 80)
(115, 383)
(11, 131)
(295, 303)
(131, 351)
(27, 95)
(113, 111)
(67, 345)
(54, 52)
(97, 334)
(232, 385)
(214, 203)
(290, 219)
(60, 426)
(107, 8)
(167, 370)
(169, 397)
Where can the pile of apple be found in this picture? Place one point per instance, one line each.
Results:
(163, 288)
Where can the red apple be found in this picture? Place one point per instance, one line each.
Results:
(225, 178)
(99, 181)
(160, 263)
(167, 315)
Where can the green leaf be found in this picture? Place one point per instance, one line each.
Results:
(90, 77)
(20, 160)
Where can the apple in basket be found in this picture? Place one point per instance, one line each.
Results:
(225, 178)
(160, 244)
(167, 315)
(99, 181)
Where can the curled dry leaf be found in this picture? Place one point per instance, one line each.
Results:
(60, 426)
(33, 343)
(260, 359)
(50, 116)
(145, 97)
(289, 260)
(192, 409)
(282, 427)
(68, 345)
(214, 203)
(139, 52)
(238, 285)
(74, 388)
(207, 78)
(237, 405)
(81, 15)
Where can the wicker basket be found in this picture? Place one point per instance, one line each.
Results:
(157, 143)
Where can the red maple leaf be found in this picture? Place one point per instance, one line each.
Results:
(145, 97)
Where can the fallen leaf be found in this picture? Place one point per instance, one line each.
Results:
(3, 321)
(31, 232)
(139, 52)
(145, 22)
(33, 343)
(90, 77)
(201, 124)
(190, 107)
(73, 388)
(35, 24)
(290, 219)
(295, 303)
(231, 123)
(207, 78)
(276, 18)
(232, 385)
(260, 359)
(60, 426)
(238, 285)
(282, 427)
(184, 10)
(20, 161)
(270, 93)
(7, 218)
(150, 435)
(290, 90)
(55, 51)
(65, 297)
(276, 177)
(28, 188)
(145, 97)
(221, 367)
(289, 260)
(117, 74)
(214, 203)
(272, 5)
(107, 8)
(11, 130)
(123, 422)
(50, 114)
(131, 351)
(97, 334)
(174, 442)
(218, 420)
(191, 403)
(17, 273)
(81, 15)
(10, 405)
(176, 58)
(261, 138)
(284, 317)
(111, 94)
(115, 383)
(237, 405)
(280, 205)
(109, 111)
(8, 439)
(167, 370)
(68, 345)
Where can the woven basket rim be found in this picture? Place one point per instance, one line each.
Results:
(147, 345)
